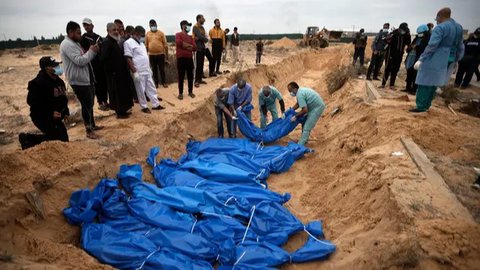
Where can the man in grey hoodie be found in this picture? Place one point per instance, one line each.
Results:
(79, 73)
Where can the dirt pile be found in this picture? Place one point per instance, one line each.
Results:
(376, 207)
(284, 43)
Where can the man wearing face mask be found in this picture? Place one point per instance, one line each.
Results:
(469, 63)
(378, 53)
(79, 74)
(239, 97)
(48, 104)
(217, 37)
(116, 71)
(137, 60)
(157, 48)
(185, 46)
(396, 43)
(416, 49)
(360, 43)
(267, 98)
(311, 104)
(444, 49)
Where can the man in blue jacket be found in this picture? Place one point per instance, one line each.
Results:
(444, 49)
(239, 97)
(378, 52)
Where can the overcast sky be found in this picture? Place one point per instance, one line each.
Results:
(28, 18)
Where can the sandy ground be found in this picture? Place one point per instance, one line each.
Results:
(378, 208)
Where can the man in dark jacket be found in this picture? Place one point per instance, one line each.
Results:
(235, 45)
(378, 52)
(91, 38)
(48, 104)
(116, 73)
(200, 37)
(416, 49)
(360, 43)
(397, 41)
(469, 63)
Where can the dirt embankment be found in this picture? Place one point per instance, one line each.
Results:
(352, 181)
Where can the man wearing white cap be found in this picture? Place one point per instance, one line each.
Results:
(90, 38)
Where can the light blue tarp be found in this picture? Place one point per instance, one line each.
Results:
(209, 207)
(272, 132)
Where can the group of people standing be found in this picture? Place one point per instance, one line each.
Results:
(196, 46)
(124, 67)
(431, 56)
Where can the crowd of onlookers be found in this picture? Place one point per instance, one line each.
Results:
(128, 65)
(390, 46)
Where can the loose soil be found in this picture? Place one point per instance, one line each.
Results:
(377, 208)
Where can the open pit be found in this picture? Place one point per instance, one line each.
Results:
(381, 210)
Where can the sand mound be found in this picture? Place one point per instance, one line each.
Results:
(284, 43)
(351, 182)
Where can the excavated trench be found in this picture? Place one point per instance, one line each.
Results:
(351, 182)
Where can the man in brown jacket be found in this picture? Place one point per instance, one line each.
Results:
(157, 48)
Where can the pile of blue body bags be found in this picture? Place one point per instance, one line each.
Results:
(210, 209)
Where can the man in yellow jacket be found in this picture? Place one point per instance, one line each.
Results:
(217, 37)
(157, 48)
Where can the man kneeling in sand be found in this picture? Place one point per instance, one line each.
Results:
(48, 104)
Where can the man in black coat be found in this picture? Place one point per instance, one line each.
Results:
(116, 73)
(468, 65)
(48, 104)
(397, 41)
(416, 49)
(91, 38)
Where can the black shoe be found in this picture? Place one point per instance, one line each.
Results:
(369, 79)
(24, 141)
(123, 116)
(146, 110)
(98, 128)
(203, 82)
(204, 77)
(476, 184)
(159, 107)
(219, 73)
(180, 96)
(376, 79)
(192, 95)
(213, 75)
(415, 110)
(103, 107)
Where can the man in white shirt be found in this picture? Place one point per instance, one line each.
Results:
(138, 63)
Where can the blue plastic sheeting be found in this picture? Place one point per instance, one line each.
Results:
(211, 207)
(274, 131)
(126, 250)
(314, 248)
(277, 159)
(160, 215)
(189, 200)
